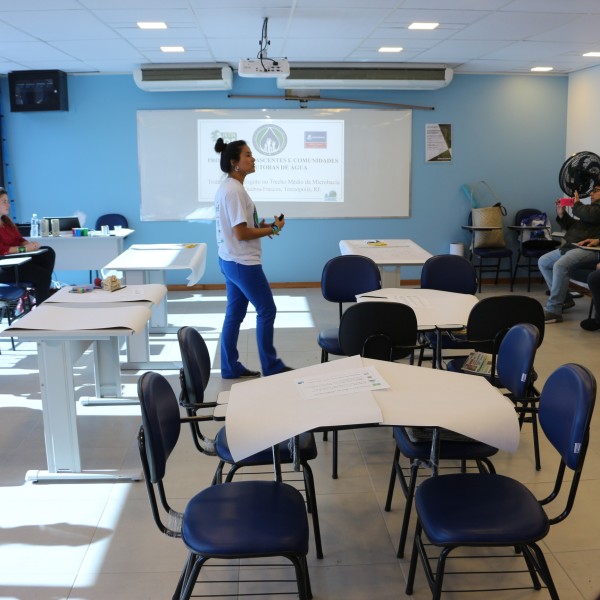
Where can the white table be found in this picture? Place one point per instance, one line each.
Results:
(85, 253)
(435, 310)
(148, 263)
(263, 412)
(63, 334)
(138, 344)
(389, 257)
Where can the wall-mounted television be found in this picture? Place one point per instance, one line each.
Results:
(38, 90)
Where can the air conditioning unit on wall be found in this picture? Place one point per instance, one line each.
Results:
(184, 77)
(371, 76)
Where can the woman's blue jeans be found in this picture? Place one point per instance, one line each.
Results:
(247, 283)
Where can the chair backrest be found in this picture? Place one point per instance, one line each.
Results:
(195, 372)
(449, 273)
(160, 421)
(492, 317)
(374, 329)
(344, 277)
(525, 213)
(111, 219)
(565, 411)
(516, 355)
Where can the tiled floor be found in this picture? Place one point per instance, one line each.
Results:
(98, 541)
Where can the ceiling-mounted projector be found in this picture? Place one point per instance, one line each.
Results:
(264, 67)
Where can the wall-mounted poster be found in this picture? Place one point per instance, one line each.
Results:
(438, 142)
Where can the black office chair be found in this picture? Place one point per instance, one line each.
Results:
(241, 520)
(515, 368)
(531, 248)
(447, 273)
(488, 259)
(379, 330)
(342, 279)
(490, 319)
(194, 377)
(493, 510)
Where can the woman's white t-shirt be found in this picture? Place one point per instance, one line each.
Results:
(233, 206)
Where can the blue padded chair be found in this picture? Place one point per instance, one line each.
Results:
(247, 519)
(516, 374)
(447, 273)
(194, 377)
(515, 369)
(111, 219)
(342, 279)
(10, 294)
(530, 250)
(493, 510)
(488, 260)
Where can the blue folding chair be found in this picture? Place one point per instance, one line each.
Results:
(239, 520)
(342, 279)
(493, 510)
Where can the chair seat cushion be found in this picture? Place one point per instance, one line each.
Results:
(246, 518)
(306, 445)
(479, 510)
(453, 446)
(328, 340)
(10, 292)
(449, 342)
(492, 252)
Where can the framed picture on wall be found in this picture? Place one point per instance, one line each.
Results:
(438, 142)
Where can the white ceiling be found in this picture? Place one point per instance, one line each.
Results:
(474, 36)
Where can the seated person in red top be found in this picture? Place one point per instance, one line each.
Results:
(39, 269)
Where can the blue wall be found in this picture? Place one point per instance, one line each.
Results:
(507, 130)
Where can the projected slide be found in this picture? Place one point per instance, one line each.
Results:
(296, 160)
(310, 163)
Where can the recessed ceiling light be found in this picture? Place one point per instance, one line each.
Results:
(151, 25)
(594, 54)
(542, 69)
(172, 49)
(423, 25)
(390, 49)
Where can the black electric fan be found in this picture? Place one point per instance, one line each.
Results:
(580, 173)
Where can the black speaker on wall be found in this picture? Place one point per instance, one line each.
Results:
(38, 90)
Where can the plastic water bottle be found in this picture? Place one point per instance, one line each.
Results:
(35, 226)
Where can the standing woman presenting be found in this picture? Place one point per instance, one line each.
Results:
(238, 238)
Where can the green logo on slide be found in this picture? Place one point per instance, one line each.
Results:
(269, 140)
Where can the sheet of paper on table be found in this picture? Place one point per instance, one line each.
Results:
(344, 382)
(152, 292)
(278, 397)
(57, 317)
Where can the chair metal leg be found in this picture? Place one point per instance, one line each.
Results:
(311, 501)
(393, 475)
(414, 469)
(334, 466)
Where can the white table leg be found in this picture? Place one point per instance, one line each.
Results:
(390, 276)
(55, 362)
(138, 348)
(159, 320)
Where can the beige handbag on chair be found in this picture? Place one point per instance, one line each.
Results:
(490, 216)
